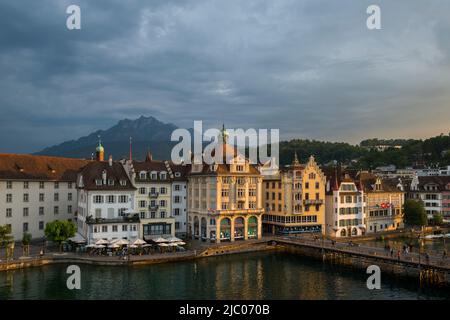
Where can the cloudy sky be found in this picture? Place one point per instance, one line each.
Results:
(308, 67)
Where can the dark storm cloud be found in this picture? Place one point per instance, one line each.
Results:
(310, 68)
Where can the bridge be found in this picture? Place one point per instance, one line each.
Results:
(431, 269)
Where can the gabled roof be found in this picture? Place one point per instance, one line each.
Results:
(440, 181)
(337, 175)
(169, 167)
(94, 170)
(41, 168)
(368, 181)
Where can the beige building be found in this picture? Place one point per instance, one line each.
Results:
(35, 190)
(160, 198)
(225, 199)
(152, 180)
(294, 198)
(384, 202)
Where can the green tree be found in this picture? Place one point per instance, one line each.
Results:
(5, 238)
(415, 214)
(438, 219)
(59, 231)
(26, 240)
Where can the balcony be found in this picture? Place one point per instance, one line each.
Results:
(308, 202)
(153, 194)
(132, 218)
(153, 207)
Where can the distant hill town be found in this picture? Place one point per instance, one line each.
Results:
(148, 133)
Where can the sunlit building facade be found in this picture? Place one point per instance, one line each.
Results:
(225, 199)
(294, 199)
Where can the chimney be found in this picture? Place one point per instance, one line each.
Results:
(110, 162)
(104, 176)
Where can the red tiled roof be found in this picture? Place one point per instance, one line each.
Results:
(42, 168)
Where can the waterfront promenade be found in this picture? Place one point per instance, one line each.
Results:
(341, 252)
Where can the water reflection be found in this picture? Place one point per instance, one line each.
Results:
(244, 276)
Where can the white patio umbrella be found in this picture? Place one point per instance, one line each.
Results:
(172, 244)
(98, 246)
(78, 238)
(180, 243)
(122, 242)
(163, 245)
(101, 242)
(90, 245)
(173, 239)
(132, 246)
(114, 246)
(139, 242)
(159, 240)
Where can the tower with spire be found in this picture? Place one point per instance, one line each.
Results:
(100, 151)
(224, 134)
(295, 162)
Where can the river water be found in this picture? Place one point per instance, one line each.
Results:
(265, 275)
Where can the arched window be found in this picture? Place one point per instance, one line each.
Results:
(343, 233)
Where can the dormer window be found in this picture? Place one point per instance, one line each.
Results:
(143, 175)
(154, 176)
(123, 183)
(98, 182)
(110, 182)
(163, 176)
(177, 174)
(239, 168)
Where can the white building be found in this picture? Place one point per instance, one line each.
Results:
(345, 206)
(35, 190)
(433, 192)
(106, 203)
(179, 199)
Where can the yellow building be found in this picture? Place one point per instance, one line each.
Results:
(294, 198)
(225, 199)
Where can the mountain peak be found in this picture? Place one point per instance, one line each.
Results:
(146, 131)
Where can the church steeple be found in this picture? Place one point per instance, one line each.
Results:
(295, 163)
(100, 151)
(149, 157)
(224, 134)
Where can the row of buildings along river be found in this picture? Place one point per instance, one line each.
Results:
(230, 201)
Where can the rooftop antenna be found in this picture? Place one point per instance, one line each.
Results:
(131, 151)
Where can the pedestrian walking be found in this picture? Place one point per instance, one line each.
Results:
(392, 252)
(398, 255)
